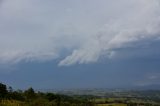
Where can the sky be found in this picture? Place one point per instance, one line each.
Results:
(79, 43)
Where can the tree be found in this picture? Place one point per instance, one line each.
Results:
(3, 90)
(30, 94)
(16, 96)
(50, 96)
(10, 89)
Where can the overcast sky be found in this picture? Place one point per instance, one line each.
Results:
(75, 34)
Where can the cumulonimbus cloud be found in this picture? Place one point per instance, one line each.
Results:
(87, 30)
(137, 24)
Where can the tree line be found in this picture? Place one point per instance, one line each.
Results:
(31, 98)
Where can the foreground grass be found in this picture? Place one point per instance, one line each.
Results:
(19, 103)
(114, 104)
(11, 103)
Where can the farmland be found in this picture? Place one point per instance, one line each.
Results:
(78, 97)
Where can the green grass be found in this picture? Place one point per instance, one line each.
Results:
(115, 104)
(11, 103)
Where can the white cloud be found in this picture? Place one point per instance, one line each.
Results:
(42, 30)
(133, 25)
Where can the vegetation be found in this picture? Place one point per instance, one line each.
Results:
(29, 97)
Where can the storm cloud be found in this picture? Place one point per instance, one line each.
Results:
(79, 31)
